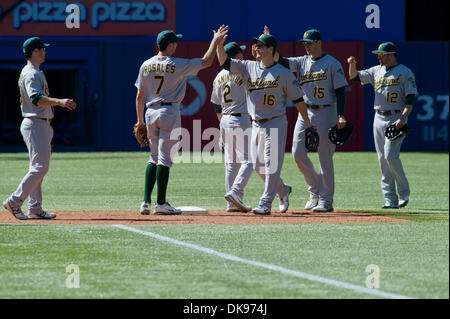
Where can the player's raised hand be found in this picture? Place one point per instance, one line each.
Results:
(68, 104)
(351, 60)
(266, 30)
(221, 33)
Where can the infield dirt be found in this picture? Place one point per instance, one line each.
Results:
(213, 217)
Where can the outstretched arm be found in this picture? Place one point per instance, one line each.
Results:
(50, 101)
(219, 35)
(352, 71)
(221, 55)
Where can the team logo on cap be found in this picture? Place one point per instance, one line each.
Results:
(305, 35)
(380, 46)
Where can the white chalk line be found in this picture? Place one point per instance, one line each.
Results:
(299, 274)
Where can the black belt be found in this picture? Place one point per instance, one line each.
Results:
(316, 107)
(262, 121)
(166, 103)
(388, 113)
(39, 118)
(235, 114)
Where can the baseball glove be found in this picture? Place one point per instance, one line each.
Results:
(340, 136)
(311, 139)
(140, 132)
(393, 133)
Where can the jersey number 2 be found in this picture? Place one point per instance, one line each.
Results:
(161, 82)
(226, 92)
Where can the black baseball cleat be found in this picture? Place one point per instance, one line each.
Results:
(403, 203)
(389, 206)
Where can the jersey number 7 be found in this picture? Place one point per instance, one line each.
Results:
(161, 82)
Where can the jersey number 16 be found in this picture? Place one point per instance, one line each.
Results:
(268, 99)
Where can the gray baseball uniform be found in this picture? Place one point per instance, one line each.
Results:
(37, 134)
(229, 91)
(268, 91)
(391, 88)
(163, 80)
(319, 79)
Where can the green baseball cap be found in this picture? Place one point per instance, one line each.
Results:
(268, 40)
(166, 37)
(311, 36)
(386, 48)
(233, 48)
(33, 43)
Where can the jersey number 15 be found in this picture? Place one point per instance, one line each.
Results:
(319, 92)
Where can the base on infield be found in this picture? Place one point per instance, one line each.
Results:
(192, 210)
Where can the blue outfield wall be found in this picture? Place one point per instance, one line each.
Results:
(429, 61)
(349, 20)
(112, 66)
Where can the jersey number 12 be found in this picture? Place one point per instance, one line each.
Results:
(392, 97)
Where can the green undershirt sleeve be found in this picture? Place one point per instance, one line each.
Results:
(340, 100)
(226, 64)
(217, 108)
(356, 79)
(298, 100)
(283, 61)
(410, 99)
(35, 98)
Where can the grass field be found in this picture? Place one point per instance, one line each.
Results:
(276, 260)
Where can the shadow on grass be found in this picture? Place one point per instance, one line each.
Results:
(69, 158)
(423, 215)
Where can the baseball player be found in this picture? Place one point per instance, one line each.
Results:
(37, 111)
(269, 85)
(323, 82)
(161, 85)
(229, 99)
(231, 92)
(395, 91)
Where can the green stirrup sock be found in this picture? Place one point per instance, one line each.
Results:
(162, 178)
(150, 179)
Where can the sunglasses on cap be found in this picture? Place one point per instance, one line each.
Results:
(381, 54)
